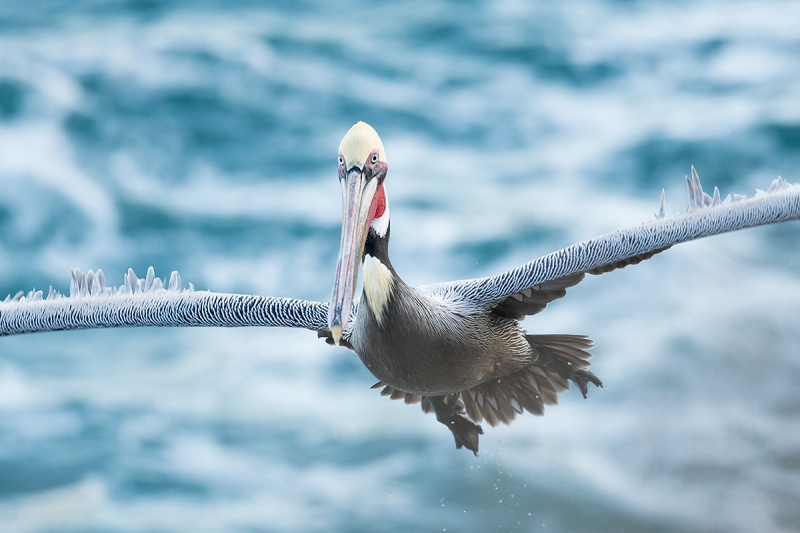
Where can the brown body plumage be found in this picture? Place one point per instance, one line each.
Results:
(478, 365)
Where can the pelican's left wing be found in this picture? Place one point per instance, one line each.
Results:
(527, 289)
(150, 302)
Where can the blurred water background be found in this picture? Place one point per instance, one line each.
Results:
(202, 137)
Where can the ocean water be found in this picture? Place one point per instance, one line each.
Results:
(202, 137)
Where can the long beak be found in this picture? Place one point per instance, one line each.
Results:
(357, 195)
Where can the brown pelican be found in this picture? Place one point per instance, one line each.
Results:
(466, 358)
(457, 347)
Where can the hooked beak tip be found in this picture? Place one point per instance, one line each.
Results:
(336, 333)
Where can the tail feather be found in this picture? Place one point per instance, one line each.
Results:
(558, 359)
(567, 356)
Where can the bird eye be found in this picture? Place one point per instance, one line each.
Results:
(375, 157)
(341, 160)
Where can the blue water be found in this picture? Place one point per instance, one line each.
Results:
(202, 137)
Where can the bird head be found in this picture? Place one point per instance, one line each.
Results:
(362, 169)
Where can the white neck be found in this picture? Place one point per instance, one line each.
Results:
(381, 225)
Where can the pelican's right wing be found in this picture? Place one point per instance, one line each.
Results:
(527, 289)
(148, 302)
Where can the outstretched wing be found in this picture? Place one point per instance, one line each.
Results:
(148, 302)
(527, 289)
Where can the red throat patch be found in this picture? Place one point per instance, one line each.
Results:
(378, 204)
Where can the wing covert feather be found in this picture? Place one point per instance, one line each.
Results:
(146, 302)
(564, 268)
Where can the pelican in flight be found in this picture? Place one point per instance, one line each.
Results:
(458, 347)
